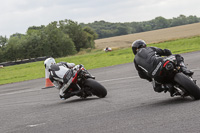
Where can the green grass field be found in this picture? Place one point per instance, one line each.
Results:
(93, 59)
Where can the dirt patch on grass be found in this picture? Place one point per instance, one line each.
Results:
(155, 36)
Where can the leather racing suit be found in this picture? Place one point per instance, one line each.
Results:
(61, 75)
(148, 62)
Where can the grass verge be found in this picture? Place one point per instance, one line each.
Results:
(92, 60)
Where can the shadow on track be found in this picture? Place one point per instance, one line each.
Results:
(173, 101)
(163, 104)
(80, 100)
(69, 103)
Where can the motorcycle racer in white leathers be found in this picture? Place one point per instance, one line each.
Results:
(61, 75)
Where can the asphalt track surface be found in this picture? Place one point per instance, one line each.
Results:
(131, 106)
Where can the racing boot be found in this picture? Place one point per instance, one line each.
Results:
(170, 88)
(70, 94)
(158, 87)
(65, 96)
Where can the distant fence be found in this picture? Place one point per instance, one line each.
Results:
(23, 61)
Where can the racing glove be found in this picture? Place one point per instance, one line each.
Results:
(167, 52)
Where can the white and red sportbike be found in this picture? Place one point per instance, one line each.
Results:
(86, 84)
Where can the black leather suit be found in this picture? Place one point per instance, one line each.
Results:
(148, 61)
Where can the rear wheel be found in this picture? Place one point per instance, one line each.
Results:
(188, 85)
(96, 88)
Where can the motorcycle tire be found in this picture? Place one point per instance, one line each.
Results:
(96, 88)
(188, 85)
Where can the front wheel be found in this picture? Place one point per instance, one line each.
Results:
(188, 85)
(96, 88)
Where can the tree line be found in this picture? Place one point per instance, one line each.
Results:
(57, 39)
(66, 37)
(107, 29)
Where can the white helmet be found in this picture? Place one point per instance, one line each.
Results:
(48, 62)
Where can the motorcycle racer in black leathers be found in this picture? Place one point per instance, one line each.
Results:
(148, 62)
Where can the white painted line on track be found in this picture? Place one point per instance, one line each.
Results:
(35, 125)
(197, 69)
(31, 90)
(17, 92)
(118, 79)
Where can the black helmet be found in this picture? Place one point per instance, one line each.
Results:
(138, 44)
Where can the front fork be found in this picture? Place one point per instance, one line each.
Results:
(181, 92)
(84, 92)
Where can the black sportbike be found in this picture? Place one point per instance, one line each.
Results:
(182, 85)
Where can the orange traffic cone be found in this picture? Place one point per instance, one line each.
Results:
(48, 83)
